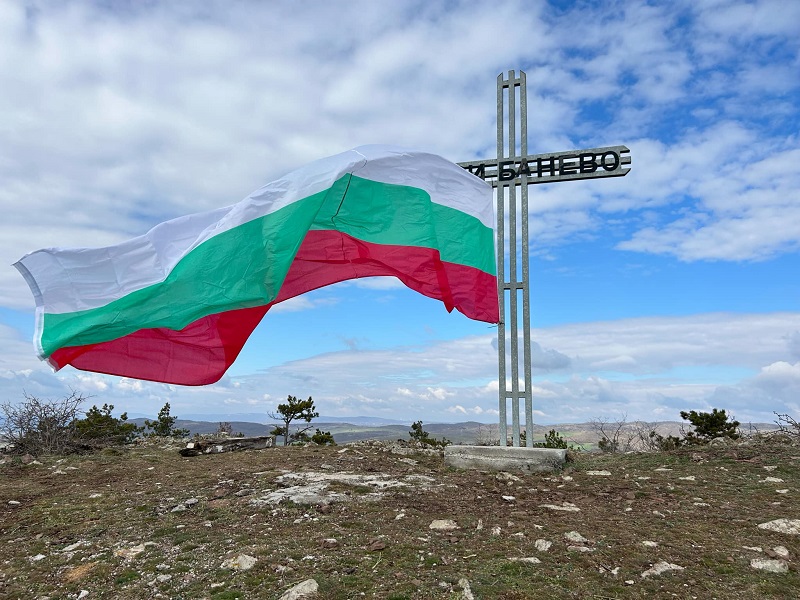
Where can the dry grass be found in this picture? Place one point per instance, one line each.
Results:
(104, 523)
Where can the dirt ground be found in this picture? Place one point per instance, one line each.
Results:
(381, 520)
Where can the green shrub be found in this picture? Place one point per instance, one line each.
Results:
(608, 445)
(164, 425)
(99, 427)
(552, 439)
(708, 426)
(664, 444)
(418, 434)
(323, 438)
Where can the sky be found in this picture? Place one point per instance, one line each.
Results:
(676, 287)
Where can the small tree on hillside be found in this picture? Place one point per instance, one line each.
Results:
(708, 426)
(164, 425)
(293, 410)
(418, 434)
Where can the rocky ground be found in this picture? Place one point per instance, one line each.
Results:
(386, 520)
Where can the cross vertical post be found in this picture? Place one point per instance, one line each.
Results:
(512, 144)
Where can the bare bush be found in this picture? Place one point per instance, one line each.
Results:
(615, 436)
(37, 426)
(487, 436)
(788, 424)
(636, 436)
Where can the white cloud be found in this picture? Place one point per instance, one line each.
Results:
(439, 393)
(300, 303)
(378, 283)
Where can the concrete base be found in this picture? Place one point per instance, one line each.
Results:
(497, 458)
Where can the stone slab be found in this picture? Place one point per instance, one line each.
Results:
(497, 458)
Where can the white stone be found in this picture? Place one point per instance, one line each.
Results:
(661, 567)
(599, 473)
(772, 480)
(574, 536)
(128, 553)
(466, 592)
(688, 478)
(564, 506)
(580, 549)
(542, 545)
(14, 502)
(781, 551)
(73, 547)
(649, 544)
(509, 498)
(790, 526)
(770, 564)
(496, 530)
(243, 562)
(301, 590)
(754, 548)
(443, 525)
(770, 467)
(786, 491)
(526, 559)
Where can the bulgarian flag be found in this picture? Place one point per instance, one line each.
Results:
(178, 303)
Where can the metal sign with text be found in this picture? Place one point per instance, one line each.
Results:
(593, 163)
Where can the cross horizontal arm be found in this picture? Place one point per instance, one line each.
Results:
(594, 163)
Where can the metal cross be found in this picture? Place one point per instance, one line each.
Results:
(512, 169)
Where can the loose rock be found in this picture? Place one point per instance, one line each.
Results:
(564, 506)
(542, 545)
(301, 590)
(574, 536)
(443, 525)
(790, 526)
(243, 562)
(526, 559)
(661, 567)
(770, 565)
(466, 592)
